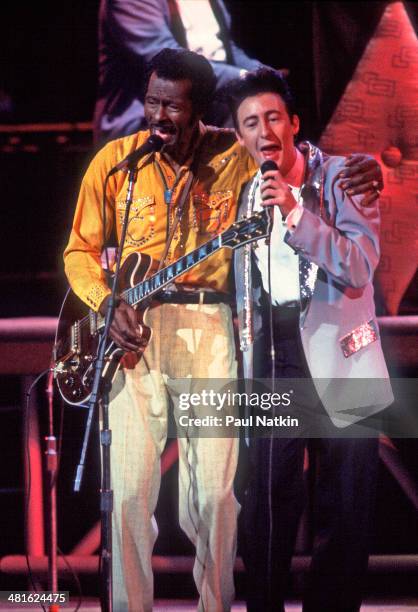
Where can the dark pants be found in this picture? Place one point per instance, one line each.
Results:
(346, 474)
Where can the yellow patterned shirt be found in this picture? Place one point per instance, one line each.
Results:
(221, 167)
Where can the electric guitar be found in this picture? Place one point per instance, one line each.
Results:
(77, 339)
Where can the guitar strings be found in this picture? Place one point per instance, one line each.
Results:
(129, 292)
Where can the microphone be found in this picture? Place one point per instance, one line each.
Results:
(267, 165)
(154, 143)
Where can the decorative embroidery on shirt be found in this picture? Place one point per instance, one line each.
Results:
(210, 211)
(137, 204)
(216, 165)
(358, 338)
(142, 219)
(96, 295)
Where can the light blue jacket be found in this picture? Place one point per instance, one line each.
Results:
(337, 240)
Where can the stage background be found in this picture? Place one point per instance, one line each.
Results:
(48, 76)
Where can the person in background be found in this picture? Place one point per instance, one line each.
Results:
(132, 32)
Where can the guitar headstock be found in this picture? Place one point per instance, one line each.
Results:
(247, 230)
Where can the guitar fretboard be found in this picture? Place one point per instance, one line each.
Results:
(239, 233)
(158, 281)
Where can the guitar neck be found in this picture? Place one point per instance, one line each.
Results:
(164, 277)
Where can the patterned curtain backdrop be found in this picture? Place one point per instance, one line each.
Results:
(378, 114)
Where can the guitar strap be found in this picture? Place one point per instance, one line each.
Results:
(185, 192)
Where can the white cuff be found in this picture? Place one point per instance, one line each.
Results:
(293, 217)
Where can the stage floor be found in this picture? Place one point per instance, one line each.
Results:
(92, 605)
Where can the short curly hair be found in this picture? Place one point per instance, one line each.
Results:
(179, 64)
(263, 80)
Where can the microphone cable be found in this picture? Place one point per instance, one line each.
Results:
(28, 484)
(270, 455)
(266, 166)
(28, 489)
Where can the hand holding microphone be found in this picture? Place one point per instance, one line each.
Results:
(274, 190)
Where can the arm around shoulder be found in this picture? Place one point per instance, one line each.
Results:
(342, 239)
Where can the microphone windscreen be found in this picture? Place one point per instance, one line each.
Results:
(267, 165)
(155, 142)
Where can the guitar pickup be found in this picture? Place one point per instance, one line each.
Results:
(93, 322)
(75, 337)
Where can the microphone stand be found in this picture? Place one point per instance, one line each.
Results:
(52, 471)
(100, 393)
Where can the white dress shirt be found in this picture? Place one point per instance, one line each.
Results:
(202, 29)
(284, 261)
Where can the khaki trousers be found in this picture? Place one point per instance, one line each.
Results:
(189, 342)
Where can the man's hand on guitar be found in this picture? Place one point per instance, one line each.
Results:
(362, 175)
(125, 329)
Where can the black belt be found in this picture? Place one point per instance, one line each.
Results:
(193, 297)
(286, 322)
(286, 313)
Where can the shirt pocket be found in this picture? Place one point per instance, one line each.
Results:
(213, 212)
(141, 223)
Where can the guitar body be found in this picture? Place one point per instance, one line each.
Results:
(79, 331)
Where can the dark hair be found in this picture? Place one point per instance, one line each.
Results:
(178, 64)
(263, 80)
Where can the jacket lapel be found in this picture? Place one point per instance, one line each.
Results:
(312, 199)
